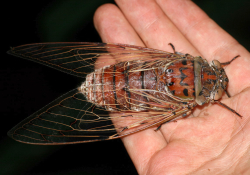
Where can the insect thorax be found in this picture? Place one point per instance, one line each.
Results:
(210, 80)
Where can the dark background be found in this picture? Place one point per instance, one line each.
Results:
(25, 86)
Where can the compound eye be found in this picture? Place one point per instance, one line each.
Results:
(218, 94)
(216, 63)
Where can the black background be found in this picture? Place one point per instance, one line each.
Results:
(25, 86)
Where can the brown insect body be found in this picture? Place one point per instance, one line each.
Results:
(144, 88)
(154, 85)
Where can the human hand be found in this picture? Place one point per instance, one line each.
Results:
(215, 141)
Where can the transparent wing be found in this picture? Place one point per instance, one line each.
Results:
(71, 119)
(80, 59)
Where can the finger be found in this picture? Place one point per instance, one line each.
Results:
(156, 30)
(153, 26)
(210, 40)
(113, 27)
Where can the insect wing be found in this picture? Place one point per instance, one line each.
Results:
(79, 59)
(71, 119)
(60, 122)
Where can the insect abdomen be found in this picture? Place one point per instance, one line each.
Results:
(112, 87)
(136, 86)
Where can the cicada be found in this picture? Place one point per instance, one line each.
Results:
(125, 89)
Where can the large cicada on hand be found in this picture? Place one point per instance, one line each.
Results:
(126, 89)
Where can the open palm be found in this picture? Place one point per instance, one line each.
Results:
(215, 141)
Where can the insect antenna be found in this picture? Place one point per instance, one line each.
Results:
(222, 104)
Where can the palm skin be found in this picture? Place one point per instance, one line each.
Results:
(215, 140)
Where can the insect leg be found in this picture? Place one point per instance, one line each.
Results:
(176, 51)
(228, 94)
(222, 104)
(185, 114)
(159, 127)
(172, 47)
(227, 63)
